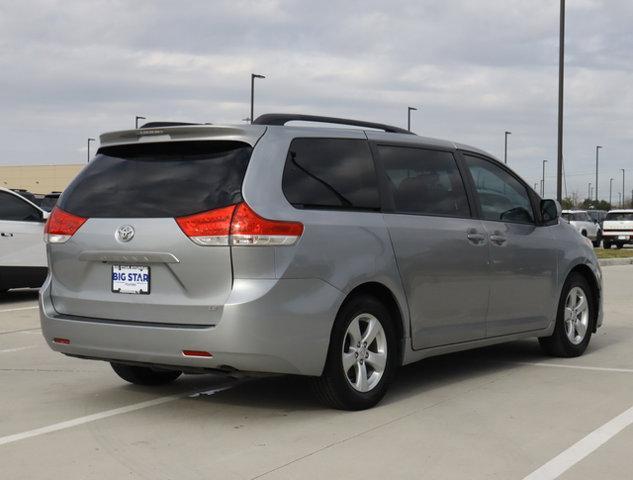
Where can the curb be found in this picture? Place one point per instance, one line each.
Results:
(607, 262)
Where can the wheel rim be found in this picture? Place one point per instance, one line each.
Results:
(364, 353)
(576, 315)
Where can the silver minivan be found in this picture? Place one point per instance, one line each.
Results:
(336, 253)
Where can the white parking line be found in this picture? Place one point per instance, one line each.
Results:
(110, 413)
(578, 367)
(18, 309)
(18, 349)
(579, 450)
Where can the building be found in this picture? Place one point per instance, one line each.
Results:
(38, 178)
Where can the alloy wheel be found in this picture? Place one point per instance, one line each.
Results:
(576, 315)
(364, 353)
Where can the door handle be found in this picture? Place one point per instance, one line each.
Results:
(498, 239)
(6, 234)
(475, 237)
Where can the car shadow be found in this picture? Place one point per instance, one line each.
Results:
(294, 393)
(21, 295)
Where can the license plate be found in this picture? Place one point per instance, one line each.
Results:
(130, 279)
(622, 237)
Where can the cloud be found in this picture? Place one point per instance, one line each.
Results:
(74, 69)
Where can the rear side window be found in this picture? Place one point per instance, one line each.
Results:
(159, 180)
(12, 208)
(330, 173)
(425, 182)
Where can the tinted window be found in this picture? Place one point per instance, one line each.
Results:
(501, 195)
(12, 208)
(619, 216)
(424, 181)
(330, 173)
(159, 180)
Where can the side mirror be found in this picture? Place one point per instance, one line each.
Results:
(550, 211)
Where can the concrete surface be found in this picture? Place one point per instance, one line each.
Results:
(500, 412)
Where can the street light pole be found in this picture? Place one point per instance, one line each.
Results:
(409, 109)
(610, 191)
(598, 147)
(561, 81)
(589, 191)
(543, 181)
(253, 77)
(89, 140)
(505, 149)
(623, 189)
(136, 119)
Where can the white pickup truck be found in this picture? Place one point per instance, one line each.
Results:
(618, 228)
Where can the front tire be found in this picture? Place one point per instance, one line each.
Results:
(362, 358)
(144, 375)
(606, 244)
(574, 321)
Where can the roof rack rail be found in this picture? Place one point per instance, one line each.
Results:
(283, 118)
(169, 124)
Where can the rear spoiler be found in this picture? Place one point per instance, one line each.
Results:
(249, 134)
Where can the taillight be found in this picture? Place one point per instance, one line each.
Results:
(208, 228)
(61, 225)
(248, 228)
(238, 225)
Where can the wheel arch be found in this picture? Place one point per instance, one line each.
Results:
(589, 275)
(387, 297)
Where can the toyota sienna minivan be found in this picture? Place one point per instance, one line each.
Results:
(335, 253)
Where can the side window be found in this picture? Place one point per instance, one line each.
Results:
(12, 208)
(424, 181)
(502, 197)
(330, 173)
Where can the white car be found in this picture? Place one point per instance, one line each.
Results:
(22, 248)
(618, 228)
(585, 225)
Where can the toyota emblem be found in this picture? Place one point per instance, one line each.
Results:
(124, 233)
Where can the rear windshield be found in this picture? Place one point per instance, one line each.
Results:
(619, 216)
(159, 180)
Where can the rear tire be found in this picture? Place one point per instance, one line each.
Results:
(144, 375)
(606, 245)
(619, 245)
(364, 340)
(574, 321)
(596, 243)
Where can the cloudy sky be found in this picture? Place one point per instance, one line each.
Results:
(70, 70)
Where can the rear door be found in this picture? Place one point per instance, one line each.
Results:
(442, 252)
(523, 261)
(131, 196)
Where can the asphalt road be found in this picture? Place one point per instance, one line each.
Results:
(502, 412)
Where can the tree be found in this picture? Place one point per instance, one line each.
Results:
(588, 204)
(567, 203)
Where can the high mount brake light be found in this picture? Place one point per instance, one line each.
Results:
(61, 225)
(238, 225)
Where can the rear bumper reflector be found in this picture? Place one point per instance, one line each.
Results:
(61, 341)
(196, 353)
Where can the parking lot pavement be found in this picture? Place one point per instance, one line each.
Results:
(500, 412)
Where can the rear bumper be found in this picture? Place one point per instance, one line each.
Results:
(267, 325)
(614, 236)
